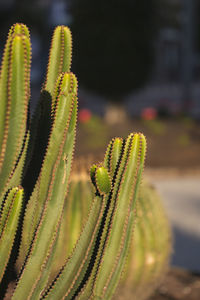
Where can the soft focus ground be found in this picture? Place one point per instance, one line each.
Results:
(178, 285)
(171, 143)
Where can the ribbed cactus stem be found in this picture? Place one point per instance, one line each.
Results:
(9, 217)
(59, 56)
(41, 223)
(14, 95)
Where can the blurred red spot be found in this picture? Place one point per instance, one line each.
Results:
(149, 113)
(84, 115)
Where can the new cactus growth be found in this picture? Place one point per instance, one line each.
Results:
(35, 161)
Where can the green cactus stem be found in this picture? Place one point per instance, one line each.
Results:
(14, 95)
(9, 217)
(37, 155)
(59, 57)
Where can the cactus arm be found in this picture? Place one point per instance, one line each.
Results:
(59, 57)
(18, 172)
(136, 258)
(8, 225)
(114, 155)
(53, 183)
(66, 83)
(76, 209)
(127, 167)
(46, 230)
(117, 271)
(60, 128)
(87, 292)
(45, 277)
(73, 220)
(72, 273)
(18, 28)
(126, 202)
(14, 93)
(66, 238)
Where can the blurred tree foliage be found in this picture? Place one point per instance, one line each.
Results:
(31, 12)
(114, 41)
(113, 44)
(170, 13)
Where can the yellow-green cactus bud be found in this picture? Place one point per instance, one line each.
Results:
(103, 180)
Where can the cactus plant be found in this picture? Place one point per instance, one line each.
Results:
(148, 260)
(35, 161)
(150, 249)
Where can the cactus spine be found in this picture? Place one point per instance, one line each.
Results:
(38, 155)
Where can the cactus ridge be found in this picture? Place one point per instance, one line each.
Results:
(97, 206)
(15, 95)
(6, 211)
(48, 254)
(49, 198)
(126, 230)
(101, 240)
(10, 226)
(59, 56)
(42, 209)
(97, 256)
(113, 212)
(38, 183)
(4, 203)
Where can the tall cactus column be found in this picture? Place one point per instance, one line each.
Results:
(14, 95)
(45, 207)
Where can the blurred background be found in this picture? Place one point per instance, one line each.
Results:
(138, 66)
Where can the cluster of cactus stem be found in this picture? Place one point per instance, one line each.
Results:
(35, 164)
(150, 249)
(77, 244)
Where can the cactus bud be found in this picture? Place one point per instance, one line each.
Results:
(103, 180)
